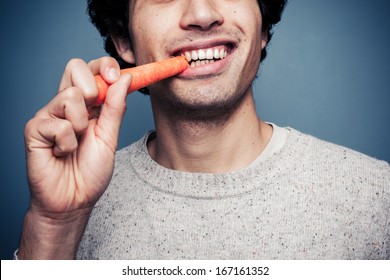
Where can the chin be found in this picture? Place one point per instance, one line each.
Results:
(204, 107)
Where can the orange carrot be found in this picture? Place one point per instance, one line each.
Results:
(145, 75)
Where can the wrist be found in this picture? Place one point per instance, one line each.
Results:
(46, 237)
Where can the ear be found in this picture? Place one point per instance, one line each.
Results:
(264, 40)
(124, 49)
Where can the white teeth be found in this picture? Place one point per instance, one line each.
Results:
(216, 53)
(194, 55)
(222, 54)
(188, 56)
(209, 54)
(204, 56)
(201, 54)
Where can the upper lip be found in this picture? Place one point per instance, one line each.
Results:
(201, 44)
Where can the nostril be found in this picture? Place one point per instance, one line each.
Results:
(205, 26)
(201, 15)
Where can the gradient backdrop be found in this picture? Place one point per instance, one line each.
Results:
(327, 74)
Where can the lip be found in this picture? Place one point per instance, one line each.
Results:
(207, 70)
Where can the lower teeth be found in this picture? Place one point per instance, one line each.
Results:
(201, 62)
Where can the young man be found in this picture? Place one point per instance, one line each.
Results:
(213, 181)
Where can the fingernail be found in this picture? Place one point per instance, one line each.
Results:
(113, 74)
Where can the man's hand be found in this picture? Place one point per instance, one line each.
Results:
(70, 150)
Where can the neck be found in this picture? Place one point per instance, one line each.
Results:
(219, 144)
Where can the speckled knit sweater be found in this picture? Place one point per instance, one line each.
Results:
(308, 200)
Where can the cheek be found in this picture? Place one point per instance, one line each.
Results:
(141, 26)
(148, 39)
(254, 41)
(249, 21)
(142, 44)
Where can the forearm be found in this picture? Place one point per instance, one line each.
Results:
(47, 238)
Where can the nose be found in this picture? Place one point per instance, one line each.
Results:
(201, 15)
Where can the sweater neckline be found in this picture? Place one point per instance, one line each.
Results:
(259, 174)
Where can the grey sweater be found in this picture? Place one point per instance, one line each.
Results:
(309, 199)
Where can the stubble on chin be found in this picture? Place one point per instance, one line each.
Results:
(200, 108)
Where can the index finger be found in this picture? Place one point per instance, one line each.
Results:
(107, 67)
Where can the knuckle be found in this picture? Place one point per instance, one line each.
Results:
(105, 60)
(108, 60)
(65, 148)
(91, 62)
(116, 108)
(106, 63)
(72, 94)
(81, 124)
(76, 94)
(64, 127)
(90, 93)
(29, 127)
(75, 63)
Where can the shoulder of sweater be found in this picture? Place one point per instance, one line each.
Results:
(329, 153)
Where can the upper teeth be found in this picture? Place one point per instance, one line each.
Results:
(211, 53)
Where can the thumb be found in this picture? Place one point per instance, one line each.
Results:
(113, 109)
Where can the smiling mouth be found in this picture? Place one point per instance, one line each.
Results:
(202, 57)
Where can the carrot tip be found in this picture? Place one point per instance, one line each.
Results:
(145, 75)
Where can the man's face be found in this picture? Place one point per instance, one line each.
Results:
(221, 38)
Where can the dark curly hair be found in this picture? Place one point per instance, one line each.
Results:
(111, 19)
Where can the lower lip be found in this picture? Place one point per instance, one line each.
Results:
(206, 70)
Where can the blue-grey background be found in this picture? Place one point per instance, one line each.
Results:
(327, 74)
